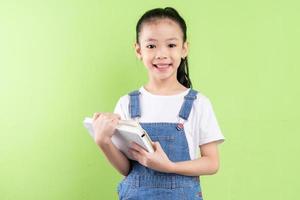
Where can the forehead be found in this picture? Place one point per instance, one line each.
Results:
(161, 30)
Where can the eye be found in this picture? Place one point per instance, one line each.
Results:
(150, 46)
(172, 45)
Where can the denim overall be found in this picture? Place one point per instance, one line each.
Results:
(147, 184)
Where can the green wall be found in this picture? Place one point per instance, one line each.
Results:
(63, 60)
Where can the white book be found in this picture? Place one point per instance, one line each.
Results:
(127, 131)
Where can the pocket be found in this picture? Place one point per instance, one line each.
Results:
(124, 190)
(119, 188)
(193, 193)
(164, 141)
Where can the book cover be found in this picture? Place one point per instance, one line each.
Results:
(127, 131)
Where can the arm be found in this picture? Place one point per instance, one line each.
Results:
(207, 164)
(115, 157)
(104, 125)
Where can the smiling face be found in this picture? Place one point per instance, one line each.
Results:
(161, 48)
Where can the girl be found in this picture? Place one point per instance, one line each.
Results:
(178, 119)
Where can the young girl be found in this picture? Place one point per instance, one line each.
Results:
(178, 119)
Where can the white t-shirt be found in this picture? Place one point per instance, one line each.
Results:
(200, 128)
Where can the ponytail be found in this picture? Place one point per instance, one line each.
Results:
(183, 73)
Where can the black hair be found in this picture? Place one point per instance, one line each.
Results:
(170, 13)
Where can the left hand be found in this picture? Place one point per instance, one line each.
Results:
(158, 160)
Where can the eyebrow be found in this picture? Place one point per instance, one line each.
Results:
(151, 39)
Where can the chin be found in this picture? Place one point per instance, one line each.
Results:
(163, 76)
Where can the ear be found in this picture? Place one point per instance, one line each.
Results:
(185, 49)
(138, 51)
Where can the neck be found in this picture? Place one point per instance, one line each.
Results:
(164, 87)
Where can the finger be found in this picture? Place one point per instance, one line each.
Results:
(135, 146)
(115, 122)
(157, 146)
(138, 148)
(96, 115)
(130, 153)
(135, 154)
(115, 116)
(118, 116)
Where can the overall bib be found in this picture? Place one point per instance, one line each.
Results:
(147, 184)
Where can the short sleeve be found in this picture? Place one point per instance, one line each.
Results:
(209, 127)
(120, 107)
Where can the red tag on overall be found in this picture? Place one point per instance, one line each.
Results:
(179, 126)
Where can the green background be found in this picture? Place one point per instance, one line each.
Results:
(63, 60)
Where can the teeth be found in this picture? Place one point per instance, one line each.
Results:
(162, 66)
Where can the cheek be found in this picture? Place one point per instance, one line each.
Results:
(148, 63)
(177, 54)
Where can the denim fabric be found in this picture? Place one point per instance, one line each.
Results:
(145, 183)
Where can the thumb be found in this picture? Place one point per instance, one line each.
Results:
(156, 145)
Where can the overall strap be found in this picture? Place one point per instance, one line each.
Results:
(134, 104)
(187, 104)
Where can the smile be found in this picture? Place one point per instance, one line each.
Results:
(162, 66)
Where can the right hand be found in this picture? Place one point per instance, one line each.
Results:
(104, 125)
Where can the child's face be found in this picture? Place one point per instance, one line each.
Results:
(161, 48)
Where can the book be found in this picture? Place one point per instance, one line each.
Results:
(126, 132)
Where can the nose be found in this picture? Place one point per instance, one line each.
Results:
(161, 53)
